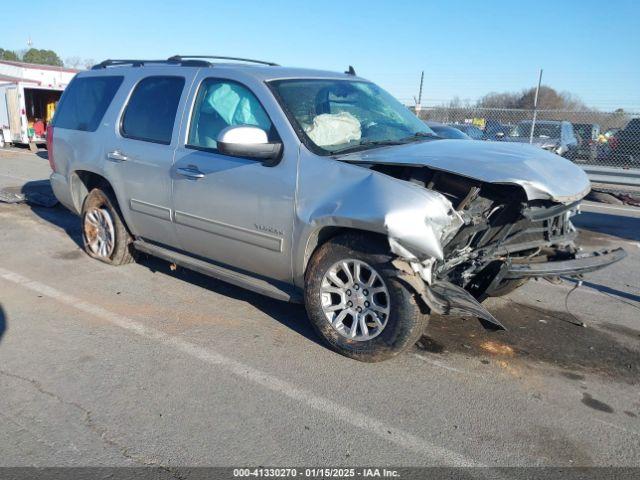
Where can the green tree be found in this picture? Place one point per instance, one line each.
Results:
(42, 57)
(8, 55)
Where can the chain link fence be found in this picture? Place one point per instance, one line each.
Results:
(604, 139)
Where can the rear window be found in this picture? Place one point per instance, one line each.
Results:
(84, 102)
(151, 111)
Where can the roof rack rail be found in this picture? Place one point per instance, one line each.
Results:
(140, 63)
(179, 58)
(184, 60)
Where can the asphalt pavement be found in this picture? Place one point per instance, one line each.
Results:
(142, 365)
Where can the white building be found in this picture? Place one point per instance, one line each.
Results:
(29, 93)
(46, 76)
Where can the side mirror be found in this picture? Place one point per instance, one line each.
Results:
(248, 141)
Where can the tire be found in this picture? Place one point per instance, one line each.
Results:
(402, 325)
(2, 144)
(104, 234)
(507, 286)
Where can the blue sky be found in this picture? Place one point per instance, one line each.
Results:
(466, 48)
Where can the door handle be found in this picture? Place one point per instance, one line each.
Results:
(190, 172)
(117, 156)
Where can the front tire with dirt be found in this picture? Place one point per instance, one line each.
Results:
(356, 302)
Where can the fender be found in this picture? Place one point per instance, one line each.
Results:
(416, 221)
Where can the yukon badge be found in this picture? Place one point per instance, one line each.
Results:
(268, 229)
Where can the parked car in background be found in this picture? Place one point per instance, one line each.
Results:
(471, 130)
(494, 130)
(625, 144)
(588, 134)
(445, 131)
(555, 136)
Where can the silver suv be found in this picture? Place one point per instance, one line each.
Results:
(310, 186)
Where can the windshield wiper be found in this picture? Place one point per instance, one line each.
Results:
(365, 145)
(426, 134)
(419, 135)
(385, 143)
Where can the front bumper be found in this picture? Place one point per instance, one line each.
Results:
(576, 266)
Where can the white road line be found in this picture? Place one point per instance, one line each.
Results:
(337, 411)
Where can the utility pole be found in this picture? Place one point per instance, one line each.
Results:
(535, 108)
(419, 99)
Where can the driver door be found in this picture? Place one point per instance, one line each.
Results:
(230, 210)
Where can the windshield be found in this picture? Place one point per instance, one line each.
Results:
(542, 130)
(334, 116)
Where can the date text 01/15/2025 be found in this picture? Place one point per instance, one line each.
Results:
(316, 472)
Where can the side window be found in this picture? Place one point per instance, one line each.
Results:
(85, 101)
(220, 104)
(152, 108)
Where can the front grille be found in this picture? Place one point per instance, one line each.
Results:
(541, 226)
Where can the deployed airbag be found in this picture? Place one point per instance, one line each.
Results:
(334, 129)
(236, 106)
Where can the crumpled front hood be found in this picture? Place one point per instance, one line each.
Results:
(543, 175)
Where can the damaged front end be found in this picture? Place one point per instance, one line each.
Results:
(495, 236)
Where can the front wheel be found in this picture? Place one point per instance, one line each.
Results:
(357, 304)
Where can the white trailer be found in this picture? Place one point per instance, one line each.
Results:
(21, 103)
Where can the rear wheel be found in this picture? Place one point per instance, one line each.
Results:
(104, 234)
(357, 304)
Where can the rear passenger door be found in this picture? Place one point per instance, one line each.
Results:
(141, 153)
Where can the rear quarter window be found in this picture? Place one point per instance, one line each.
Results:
(151, 111)
(85, 101)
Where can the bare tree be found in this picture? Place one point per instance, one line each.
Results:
(499, 100)
(72, 62)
